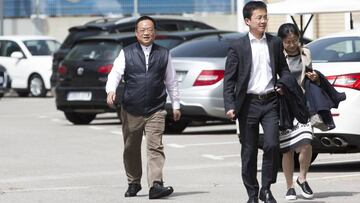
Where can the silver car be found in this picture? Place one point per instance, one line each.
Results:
(200, 66)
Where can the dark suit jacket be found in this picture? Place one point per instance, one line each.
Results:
(238, 68)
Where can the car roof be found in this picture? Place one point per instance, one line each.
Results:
(112, 37)
(348, 33)
(26, 37)
(105, 23)
(132, 19)
(176, 34)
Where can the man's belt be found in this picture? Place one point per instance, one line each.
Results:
(262, 96)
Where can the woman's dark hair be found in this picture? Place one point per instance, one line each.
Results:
(251, 6)
(144, 18)
(286, 29)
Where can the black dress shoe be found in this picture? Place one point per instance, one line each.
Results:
(266, 196)
(253, 200)
(158, 190)
(133, 189)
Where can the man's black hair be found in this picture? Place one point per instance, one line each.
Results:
(251, 6)
(144, 18)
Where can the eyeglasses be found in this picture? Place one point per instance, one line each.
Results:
(143, 30)
(259, 18)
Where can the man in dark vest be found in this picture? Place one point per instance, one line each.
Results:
(146, 69)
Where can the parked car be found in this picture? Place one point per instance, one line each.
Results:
(337, 56)
(4, 81)
(200, 65)
(120, 25)
(80, 89)
(28, 60)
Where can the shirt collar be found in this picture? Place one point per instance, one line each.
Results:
(146, 48)
(252, 37)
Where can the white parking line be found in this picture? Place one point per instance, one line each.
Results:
(96, 128)
(116, 132)
(174, 145)
(214, 157)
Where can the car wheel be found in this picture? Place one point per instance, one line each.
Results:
(1, 95)
(79, 118)
(175, 127)
(36, 86)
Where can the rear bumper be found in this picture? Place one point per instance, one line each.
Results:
(97, 103)
(331, 143)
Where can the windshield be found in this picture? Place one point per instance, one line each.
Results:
(336, 49)
(212, 47)
(42, 47)
(94, 50)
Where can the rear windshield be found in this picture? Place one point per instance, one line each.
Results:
(42, 47)
(212, 47)
(94, 50)
(168, 43)
(339, 49)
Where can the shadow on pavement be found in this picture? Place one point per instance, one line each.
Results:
(176, 194)
(351, 166)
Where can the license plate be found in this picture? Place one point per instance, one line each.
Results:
(180, 75)
(79, 96)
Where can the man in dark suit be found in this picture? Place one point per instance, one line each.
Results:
(252, 65)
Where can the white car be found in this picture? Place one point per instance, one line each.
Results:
(28, 60)
(337, 56)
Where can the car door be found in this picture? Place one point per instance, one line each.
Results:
(15, 67)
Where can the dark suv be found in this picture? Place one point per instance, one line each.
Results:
(82, 75)
(119, 25)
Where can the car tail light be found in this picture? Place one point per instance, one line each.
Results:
(209, 77)
(349, 80)
(62, 70)
(105, 68)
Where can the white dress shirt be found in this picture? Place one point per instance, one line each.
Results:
(261, 79)
(170, 81)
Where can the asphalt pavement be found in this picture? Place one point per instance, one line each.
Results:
(45, 158)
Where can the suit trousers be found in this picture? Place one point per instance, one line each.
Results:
(257, 111)
(134, 127)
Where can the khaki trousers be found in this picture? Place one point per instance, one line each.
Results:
(134, 127)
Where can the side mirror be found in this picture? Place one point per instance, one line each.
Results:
(17, 54)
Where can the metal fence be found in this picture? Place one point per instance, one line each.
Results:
(26, 8)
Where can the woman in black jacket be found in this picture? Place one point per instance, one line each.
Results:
(296, 139)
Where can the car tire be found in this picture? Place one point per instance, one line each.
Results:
(36, 86)
(79, 118)
(175, 127)
(1, 95)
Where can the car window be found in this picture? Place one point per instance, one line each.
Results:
(162, 26)
(339, 49)
(78, 34)
(42, 47)
(94, 50)
(168, 43)
(8, 47)
(213, 47)
(189, 26)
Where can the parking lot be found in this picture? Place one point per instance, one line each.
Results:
(44, 158)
